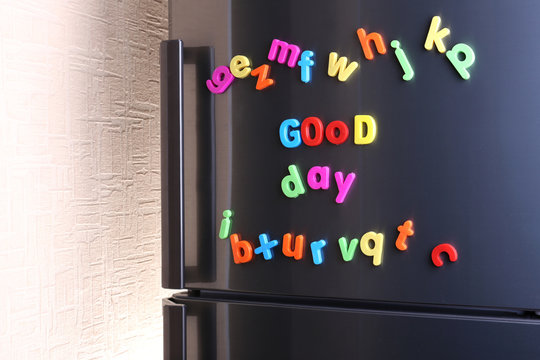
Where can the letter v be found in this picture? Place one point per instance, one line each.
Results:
(347, 252)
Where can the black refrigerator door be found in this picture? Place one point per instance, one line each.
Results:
(459, 158)
(203, 330)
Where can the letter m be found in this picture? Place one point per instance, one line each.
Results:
(284, 49)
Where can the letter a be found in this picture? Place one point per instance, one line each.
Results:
(292, 185)
(340, 66)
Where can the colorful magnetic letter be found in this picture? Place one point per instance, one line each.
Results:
(343, 186)
(339, 127)
(340, 66)
(266, 246)
(371, 129)
(461, 65)
(405, 231)
(241, 249)
(221, 80)
(318, 177)
(347, 252)
(225, 228)
(299, 245)
(376, 250)
(290, 138)
(318, 127)
(305, 64)
(446, 248)
(403, 61)
(316, 251)
(284, 48)
(262, 71)
(435, 35)
(374, 37)
(292, 185)
(240, 66)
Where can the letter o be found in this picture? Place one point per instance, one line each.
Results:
(343, 130)
(317, 126)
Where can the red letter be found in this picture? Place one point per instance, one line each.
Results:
(365, 39)
(241, 249)
(342, 129)
(298, 251)
(263, 71)
(319, 130)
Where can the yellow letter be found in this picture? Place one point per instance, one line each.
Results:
(336, 65)
(435, 35)
(376, 250)
(371, 132)
(240, 66)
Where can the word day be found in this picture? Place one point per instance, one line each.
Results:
(461, 56)
(370, 244)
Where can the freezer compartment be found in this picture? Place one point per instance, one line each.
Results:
(198, 329)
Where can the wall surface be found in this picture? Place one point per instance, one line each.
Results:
(79, 179)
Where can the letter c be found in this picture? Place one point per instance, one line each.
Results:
(439, 249)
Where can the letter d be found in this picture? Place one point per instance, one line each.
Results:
(292, 185)
(241, 249)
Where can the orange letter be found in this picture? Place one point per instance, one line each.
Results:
(365, 39)
(262, 71)
(241, 249)
(298, 252)
(405, 230)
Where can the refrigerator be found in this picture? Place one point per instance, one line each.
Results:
(351, 179)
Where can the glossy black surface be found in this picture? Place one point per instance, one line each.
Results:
(459, 158)
(204, 330)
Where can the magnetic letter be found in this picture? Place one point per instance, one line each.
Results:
(342, 130)
(221, 79)
(319, 177)
(403, 61)
(262, 82)
(461, 65)
(343, 186)
(340, 66)
(319, 131)
(371, 129)
(374, 37)
(225, 228)
(284, 48)
(266, 247)
(439, 249)
(316, 251)
(435, 35)
(292, 185)
(299, 244)
(305, 64)
(405, 231)
(376, 250)
(290, 138)
(347, 252)
(241, 249)
(240, 66)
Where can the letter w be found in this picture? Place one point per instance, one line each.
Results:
(284, 49)
(340, 66)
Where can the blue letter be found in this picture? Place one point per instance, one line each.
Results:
(305, 64)
(290, 139)
(266, 247)
(316, 251)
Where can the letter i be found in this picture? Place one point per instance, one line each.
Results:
(225, 229)
(403, 61)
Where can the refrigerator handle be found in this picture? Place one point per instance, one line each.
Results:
(173, 56)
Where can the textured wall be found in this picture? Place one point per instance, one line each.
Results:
(79, 179)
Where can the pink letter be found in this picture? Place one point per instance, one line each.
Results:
(324, 177)
(221, 79)
(343, 186)
(284, 49)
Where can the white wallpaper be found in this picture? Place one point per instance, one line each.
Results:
(80, 179)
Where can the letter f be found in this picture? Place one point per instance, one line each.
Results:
(305, 64)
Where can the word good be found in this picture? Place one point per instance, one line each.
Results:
(312, 131)
(318, 178)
